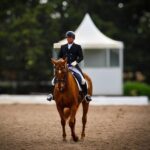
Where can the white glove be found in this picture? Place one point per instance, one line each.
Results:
(74, 63)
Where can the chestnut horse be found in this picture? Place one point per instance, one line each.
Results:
(68, 97)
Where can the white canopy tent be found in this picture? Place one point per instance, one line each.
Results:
(103, 58)
(89, 37)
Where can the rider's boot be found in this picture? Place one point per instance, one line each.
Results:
(87, 97)
(50, 96)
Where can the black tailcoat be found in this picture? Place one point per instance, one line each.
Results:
(73, 54)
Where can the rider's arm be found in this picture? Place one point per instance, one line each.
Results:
(80, 55)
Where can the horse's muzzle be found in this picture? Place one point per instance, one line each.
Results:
(61, 89)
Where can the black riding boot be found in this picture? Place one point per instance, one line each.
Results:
(50, 96)
(85, 92)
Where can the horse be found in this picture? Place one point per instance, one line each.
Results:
(68, 97)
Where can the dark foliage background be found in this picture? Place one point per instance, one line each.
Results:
(28, 29)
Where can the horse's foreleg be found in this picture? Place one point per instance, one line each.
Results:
(84, 117)
(63, 122)
(72, 122)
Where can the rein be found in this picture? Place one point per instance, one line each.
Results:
(61, 80)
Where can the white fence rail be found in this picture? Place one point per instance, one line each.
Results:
(97, 100)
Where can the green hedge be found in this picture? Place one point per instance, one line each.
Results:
(136, 89)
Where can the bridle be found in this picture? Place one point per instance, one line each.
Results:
(60, 80)
(63, 79)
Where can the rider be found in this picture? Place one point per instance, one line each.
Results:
(74, 55)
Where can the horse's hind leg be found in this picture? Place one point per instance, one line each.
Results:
(72, 122)
(84, 117)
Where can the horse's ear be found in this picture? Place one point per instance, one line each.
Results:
(53, 61)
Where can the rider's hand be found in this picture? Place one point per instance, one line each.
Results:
(74, 63)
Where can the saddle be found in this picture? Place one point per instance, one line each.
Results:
(78, 81)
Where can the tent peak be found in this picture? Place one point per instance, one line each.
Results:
(89, 36)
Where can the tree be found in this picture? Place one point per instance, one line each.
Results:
(29, 28)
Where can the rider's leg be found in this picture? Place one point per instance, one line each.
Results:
(83, 83)
(85, 92)
(50, 96)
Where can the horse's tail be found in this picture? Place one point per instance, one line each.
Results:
(66, 112)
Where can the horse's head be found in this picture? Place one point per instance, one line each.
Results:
(61, 70)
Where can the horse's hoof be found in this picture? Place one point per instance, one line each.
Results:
(76, 139)
(64, 139)
(82, 138)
